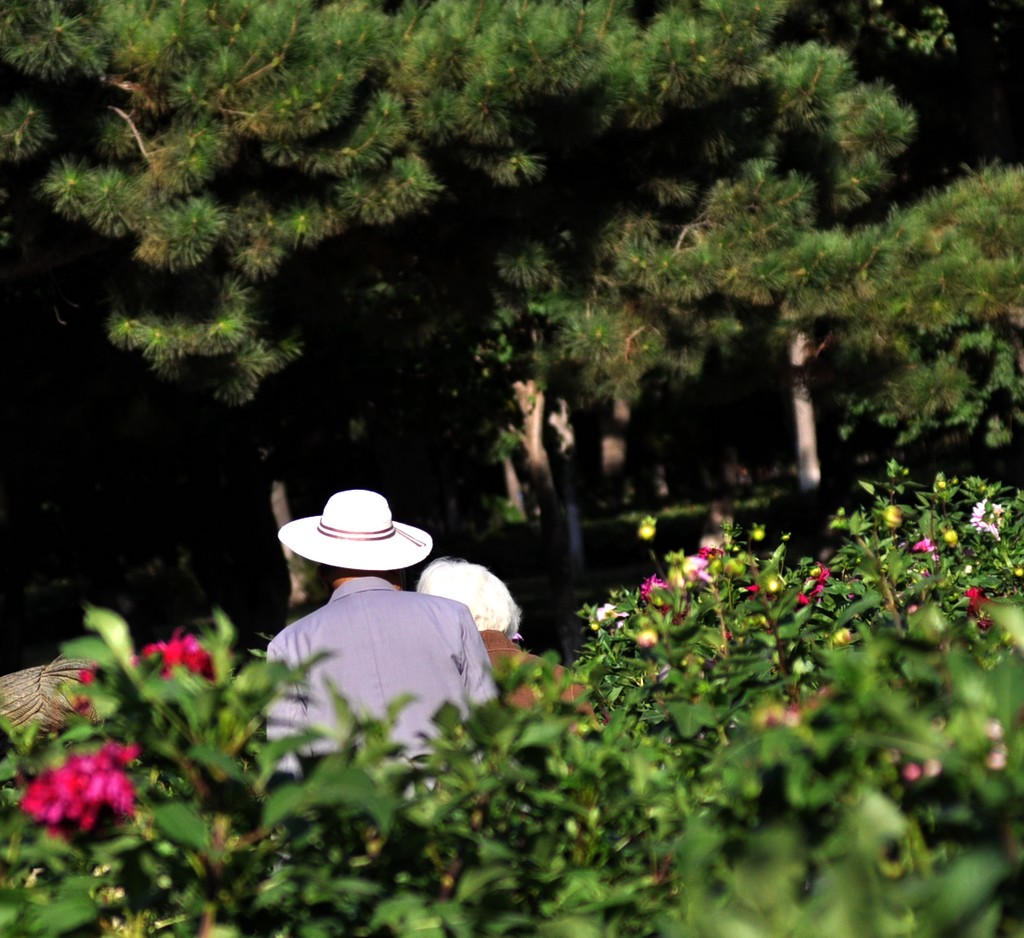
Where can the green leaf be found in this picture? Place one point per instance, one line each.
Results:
(72, 908)
(408, 915)
(691, 718)
(1011, 620)
(219, 762)
(182, 825)
(12, 902)
(476, 882)
(966, 887)
(574, 925)
(282, 803)
(90, 648)
(543, 733)
(114, 632)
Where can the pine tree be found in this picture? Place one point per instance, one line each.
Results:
(613, 192)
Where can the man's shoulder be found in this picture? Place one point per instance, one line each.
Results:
(441, 603)
(303, 625)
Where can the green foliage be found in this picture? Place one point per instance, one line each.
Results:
(663, 165)
(779, 748)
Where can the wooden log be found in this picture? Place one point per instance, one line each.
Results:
(40, 694)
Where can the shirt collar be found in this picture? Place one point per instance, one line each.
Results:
(361, 584)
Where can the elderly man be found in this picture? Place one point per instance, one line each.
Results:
(378, 642)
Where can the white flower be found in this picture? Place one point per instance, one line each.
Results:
(987, 519)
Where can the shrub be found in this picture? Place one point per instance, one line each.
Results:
(781, 748)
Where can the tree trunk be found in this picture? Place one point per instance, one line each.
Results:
(513, 487)
(298, 595)
(808, 465)
(530, 400)
(561, 422)
(614, 427)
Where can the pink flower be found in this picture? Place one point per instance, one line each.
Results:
(912, 772)
(610, 610)
(86, 788)
(183, 650)
(996, 759)
(653, 582)
(695, 567)
(926, 546)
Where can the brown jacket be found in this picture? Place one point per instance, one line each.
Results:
(503, 653)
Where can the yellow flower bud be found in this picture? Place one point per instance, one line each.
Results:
(734, 567)
(647, 529)
(950, 537)
(647, 638)
(893, 516)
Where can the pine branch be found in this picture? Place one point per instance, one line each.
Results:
(134, 129)
(278, 58)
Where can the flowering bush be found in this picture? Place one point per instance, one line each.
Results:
(832, 745)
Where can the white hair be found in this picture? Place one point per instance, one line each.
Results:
(475, 586)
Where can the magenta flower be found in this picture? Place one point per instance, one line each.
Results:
(182, 650)
(653, 582)
(814, 586)
(77, 795)
(926, 546)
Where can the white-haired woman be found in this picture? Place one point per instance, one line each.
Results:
(497, 617)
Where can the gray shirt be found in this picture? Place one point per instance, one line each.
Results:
(380, 644)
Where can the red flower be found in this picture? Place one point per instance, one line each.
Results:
(183, 650)
(77, 795)
(976, 601)
(80, 703)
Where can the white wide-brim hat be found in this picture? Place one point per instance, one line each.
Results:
(356, 531)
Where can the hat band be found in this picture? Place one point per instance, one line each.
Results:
(383, 535)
